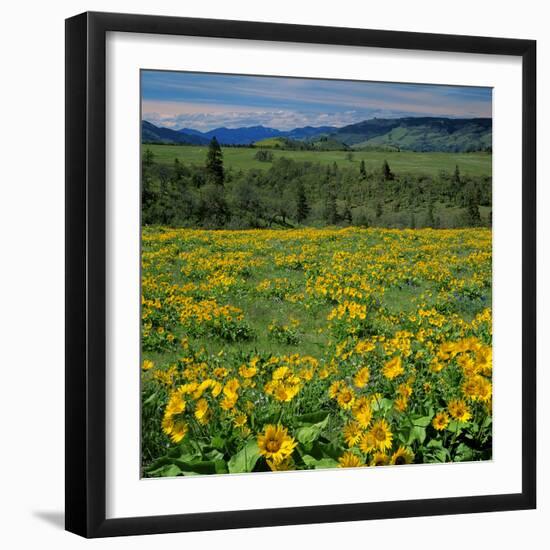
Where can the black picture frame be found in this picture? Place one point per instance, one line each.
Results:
(86, 274)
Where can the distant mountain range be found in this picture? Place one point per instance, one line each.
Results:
(410, 133)
(251, 134)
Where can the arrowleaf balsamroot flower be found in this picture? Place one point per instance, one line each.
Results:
(275, 444)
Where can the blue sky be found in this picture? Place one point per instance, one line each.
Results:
(206, 101)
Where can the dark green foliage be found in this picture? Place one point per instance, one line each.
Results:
(302, 206)
(362, 170)
(288, 192)
(386, 172)
(264, 155)
(331, 210)
(214, 163)
(148, 158)
(430, 220)
(347, 216)
(473, 217)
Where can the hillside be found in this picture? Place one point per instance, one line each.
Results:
(157, 134)
(423, 134)
(420, 134)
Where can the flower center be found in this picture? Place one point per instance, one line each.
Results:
(272, 445)
(379, 434)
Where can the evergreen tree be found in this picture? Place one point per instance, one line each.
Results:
(331, 211)
(386, 172)
(302, 207)
(413, 221)
(456, 176)
(362, 170)
(473, 217)
(346, 214)
(178, 170)
(379, 209)
(214, 163)
(455, 182)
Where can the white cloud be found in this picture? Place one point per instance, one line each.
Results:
(280, 119)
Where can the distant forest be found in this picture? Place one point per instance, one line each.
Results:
(291, 194)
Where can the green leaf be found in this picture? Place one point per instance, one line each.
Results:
(422, 421)
(168, 470)
(150, 399)
(319, 463)
(203, 466)
(308, 434)
(218, 442)
(329, 450)
(383, 404)
(417, 433)
(455, 426)
(440, 455)
(214, 454)
(463, 452)
(311, 418)
(245, 459)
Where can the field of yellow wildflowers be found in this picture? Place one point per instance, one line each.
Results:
(314, 348)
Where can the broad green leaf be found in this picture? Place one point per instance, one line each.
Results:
(311, 418)
(329, 450)
(214, 454)
(245, 459)
(150, 399)
(168, 470)
(455, 426)
(308, 434)
(218, 442)
(203, 466)
(422, 421)
(417, 433)
(318, 464)
(383, 404)
(463, 452)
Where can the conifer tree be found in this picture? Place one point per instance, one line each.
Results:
(346, 214)
(331, 209)
(214, 163)
(386, 172)
(302, 206)
(362, 170)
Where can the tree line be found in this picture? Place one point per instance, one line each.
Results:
(291, 193)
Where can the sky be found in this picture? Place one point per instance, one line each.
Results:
(206, 101)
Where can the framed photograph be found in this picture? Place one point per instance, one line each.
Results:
(300, 274)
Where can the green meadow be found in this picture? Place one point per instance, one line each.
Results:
(404, 162)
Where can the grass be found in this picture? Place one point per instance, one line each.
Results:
(242, 158)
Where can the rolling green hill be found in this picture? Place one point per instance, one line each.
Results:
(422, 134)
